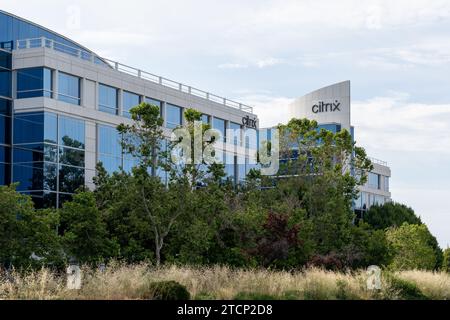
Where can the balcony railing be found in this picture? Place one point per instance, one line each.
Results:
(88, 56)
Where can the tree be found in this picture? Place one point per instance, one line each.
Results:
(446, 260)
(411, 248)
(84, 234)
(26, 232)
(143, 139)
(317, 172)
(390, 214)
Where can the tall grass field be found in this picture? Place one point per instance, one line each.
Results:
(129, 282)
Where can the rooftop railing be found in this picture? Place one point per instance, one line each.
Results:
(89, 56)
(378, 161)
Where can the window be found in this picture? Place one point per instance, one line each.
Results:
(374, 180)
(30, 128)
(386, 184)
(109, 148)
(68, 88)
(236, 133)
(34, 82)
(155, 103)
(71, 132)
(5, 74)
(130, 100)
(173, 115)
(219, 125)
(251, 138)
(205, 118)
(107, 99)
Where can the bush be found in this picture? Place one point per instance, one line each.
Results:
(166, 290)
(254, 296)
(406, 290)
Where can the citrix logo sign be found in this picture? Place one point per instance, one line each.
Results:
(326, 107)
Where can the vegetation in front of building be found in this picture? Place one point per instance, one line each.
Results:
(202, 220)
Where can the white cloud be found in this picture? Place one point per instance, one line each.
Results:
(232, 66)
(270, 110)
(394, 123)
(268, 62)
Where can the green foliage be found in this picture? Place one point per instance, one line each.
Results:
(254, 296)
(25, 232)
(84, 234)
(405, 290)
(446, 260)
(390, 215)
(411, 248)
(165, 290)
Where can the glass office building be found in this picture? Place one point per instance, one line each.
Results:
(60, 105)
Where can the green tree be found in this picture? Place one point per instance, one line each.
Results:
(411, 248)
(84, 233)
(26, 232)
(162, 207)
(446, 260)
(390, 214)
(143, 138)
(318, 177)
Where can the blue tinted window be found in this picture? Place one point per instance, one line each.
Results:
(173, 115)
(5, 129)
(130, 100)
(111, 164)
(72, 157)
(68, 88)
(34, 82)
(236, 133)
(205, 118)
(71, 132)
(70, 178)
(5, 107)
(109, 148)
(251, 138)
(5, 174)
(5, 83)
(153, 102)
(109, 141)
(5, 60)
(36, 176)
(219, 125)
(374, 180)
(107, 99)
(28, 128)
(335, 128)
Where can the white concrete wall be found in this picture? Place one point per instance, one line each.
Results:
(303, 107)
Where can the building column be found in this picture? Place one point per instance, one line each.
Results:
(120, 101)
(55, 87)
(90, 153)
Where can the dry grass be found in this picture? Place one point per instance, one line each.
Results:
(128, 282)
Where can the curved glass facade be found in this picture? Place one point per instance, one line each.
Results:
(13, 29)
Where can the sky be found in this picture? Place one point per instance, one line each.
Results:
(267, 53)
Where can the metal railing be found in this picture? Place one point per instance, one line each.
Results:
(89, 56)
(378, 161)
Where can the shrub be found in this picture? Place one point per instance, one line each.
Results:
(331, 261)
(166, 290)
(254, 296)
(406, 290)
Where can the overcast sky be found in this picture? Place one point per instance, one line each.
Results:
(266, 53)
